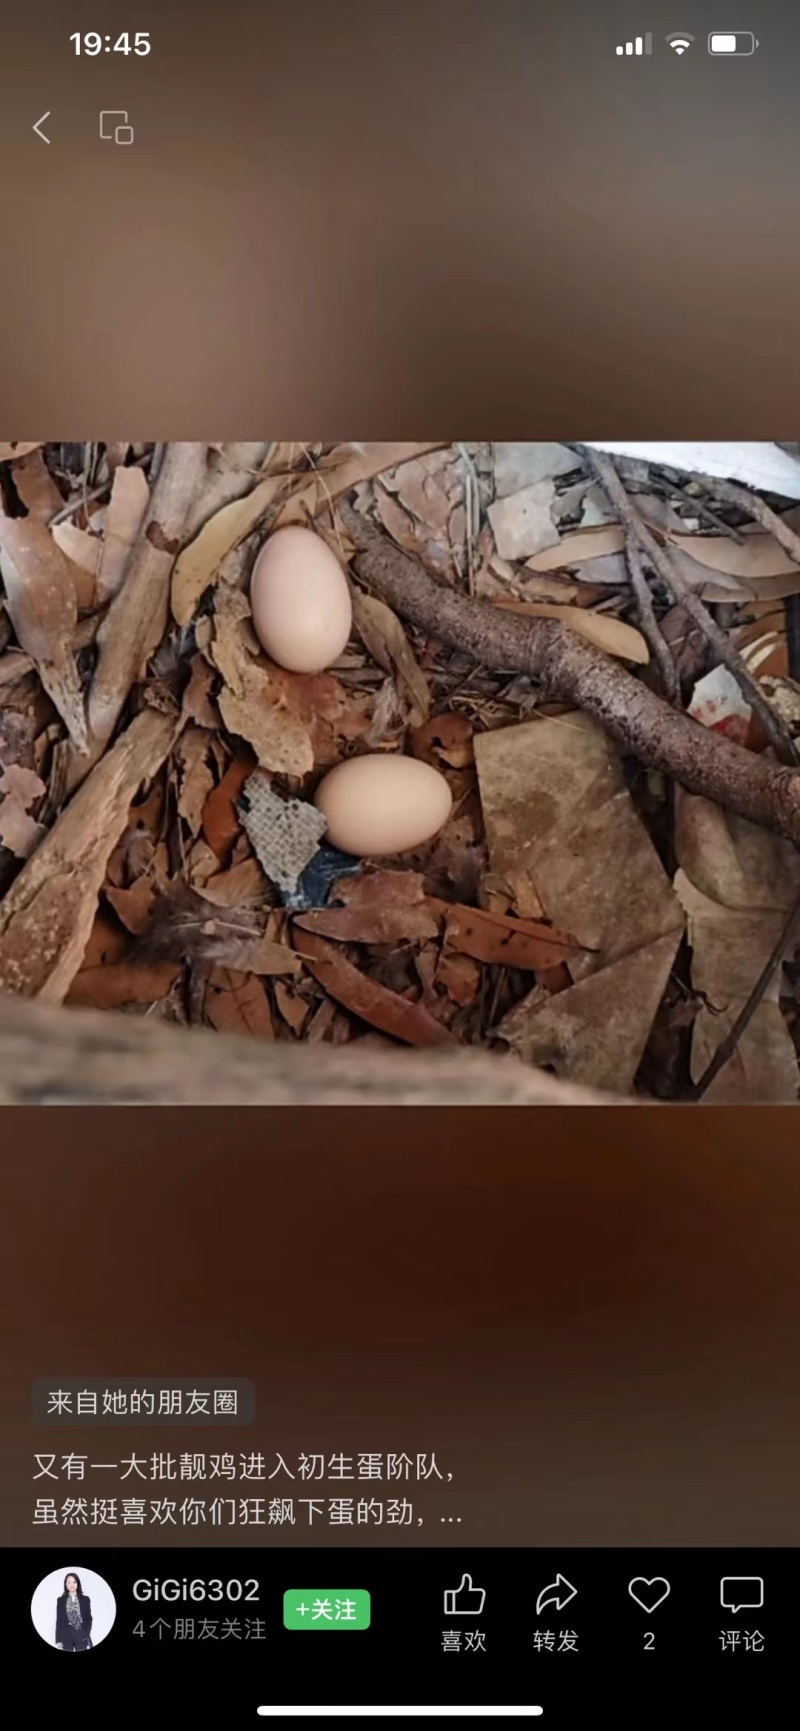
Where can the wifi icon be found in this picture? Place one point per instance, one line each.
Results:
(680, 40)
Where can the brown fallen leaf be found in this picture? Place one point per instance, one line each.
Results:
(445, 738)
(237, 1003)
(293, 1008)
(460, 976)
(388, 924)
(578, 546)
(122, 983)
(383, 636)
(134, 906)
(602, 629)
(375, 1004)
(41, 602)
(197, 701)
(220, 822)
(195, 775)
(342, 469)
(130, 497)
(198, 566)
(526, 944)
(107, 943)
(251, 700)
(241, 883)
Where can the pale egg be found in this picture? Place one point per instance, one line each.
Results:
(383, 804)
(302, 613)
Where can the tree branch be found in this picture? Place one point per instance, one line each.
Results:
(568, 669)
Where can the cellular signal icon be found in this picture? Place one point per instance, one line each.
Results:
(639, 45)
(680, 40)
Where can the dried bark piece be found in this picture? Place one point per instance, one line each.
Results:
(363, 997)
(36, 487)
(137, 617)
(47, 915)
(130, 497)
(737, 884)
(40, 598)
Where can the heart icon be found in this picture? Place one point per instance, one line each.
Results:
(648, 1594)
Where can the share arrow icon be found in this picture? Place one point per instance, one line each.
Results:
(558, 1593)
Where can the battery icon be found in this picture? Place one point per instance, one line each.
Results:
(732, 42)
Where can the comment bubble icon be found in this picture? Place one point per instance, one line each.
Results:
(741, 1592)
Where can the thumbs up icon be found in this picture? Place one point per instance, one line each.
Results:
(464, 1601)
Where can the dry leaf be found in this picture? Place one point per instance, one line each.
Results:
(293, 1008)
(221, 823)
(383, 636)
(343, 469)
(445, 738)
(375, 1004)
(197, 702)
(578, 546)
(195, 776)
(41, 603)
(386, 922)
(252, 703)
(602, 629)
(505, 941)
(460, 976)
(242, 883)
(130, 497)
(133, 906)
(123, 983)
(198, 565)
(236, 1003)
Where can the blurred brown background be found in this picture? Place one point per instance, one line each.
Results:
(442, 214)
(592, 1317)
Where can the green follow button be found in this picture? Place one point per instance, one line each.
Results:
(326, 1610)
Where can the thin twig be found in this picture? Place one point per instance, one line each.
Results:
(724, 1052)
(704, 510)
(676, 584)
(84, 498)
(651, 629)
(762, 513)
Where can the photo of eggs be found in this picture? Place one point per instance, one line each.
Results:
(470, 765)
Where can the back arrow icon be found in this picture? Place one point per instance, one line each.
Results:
(37, 125)
(558, 1593)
